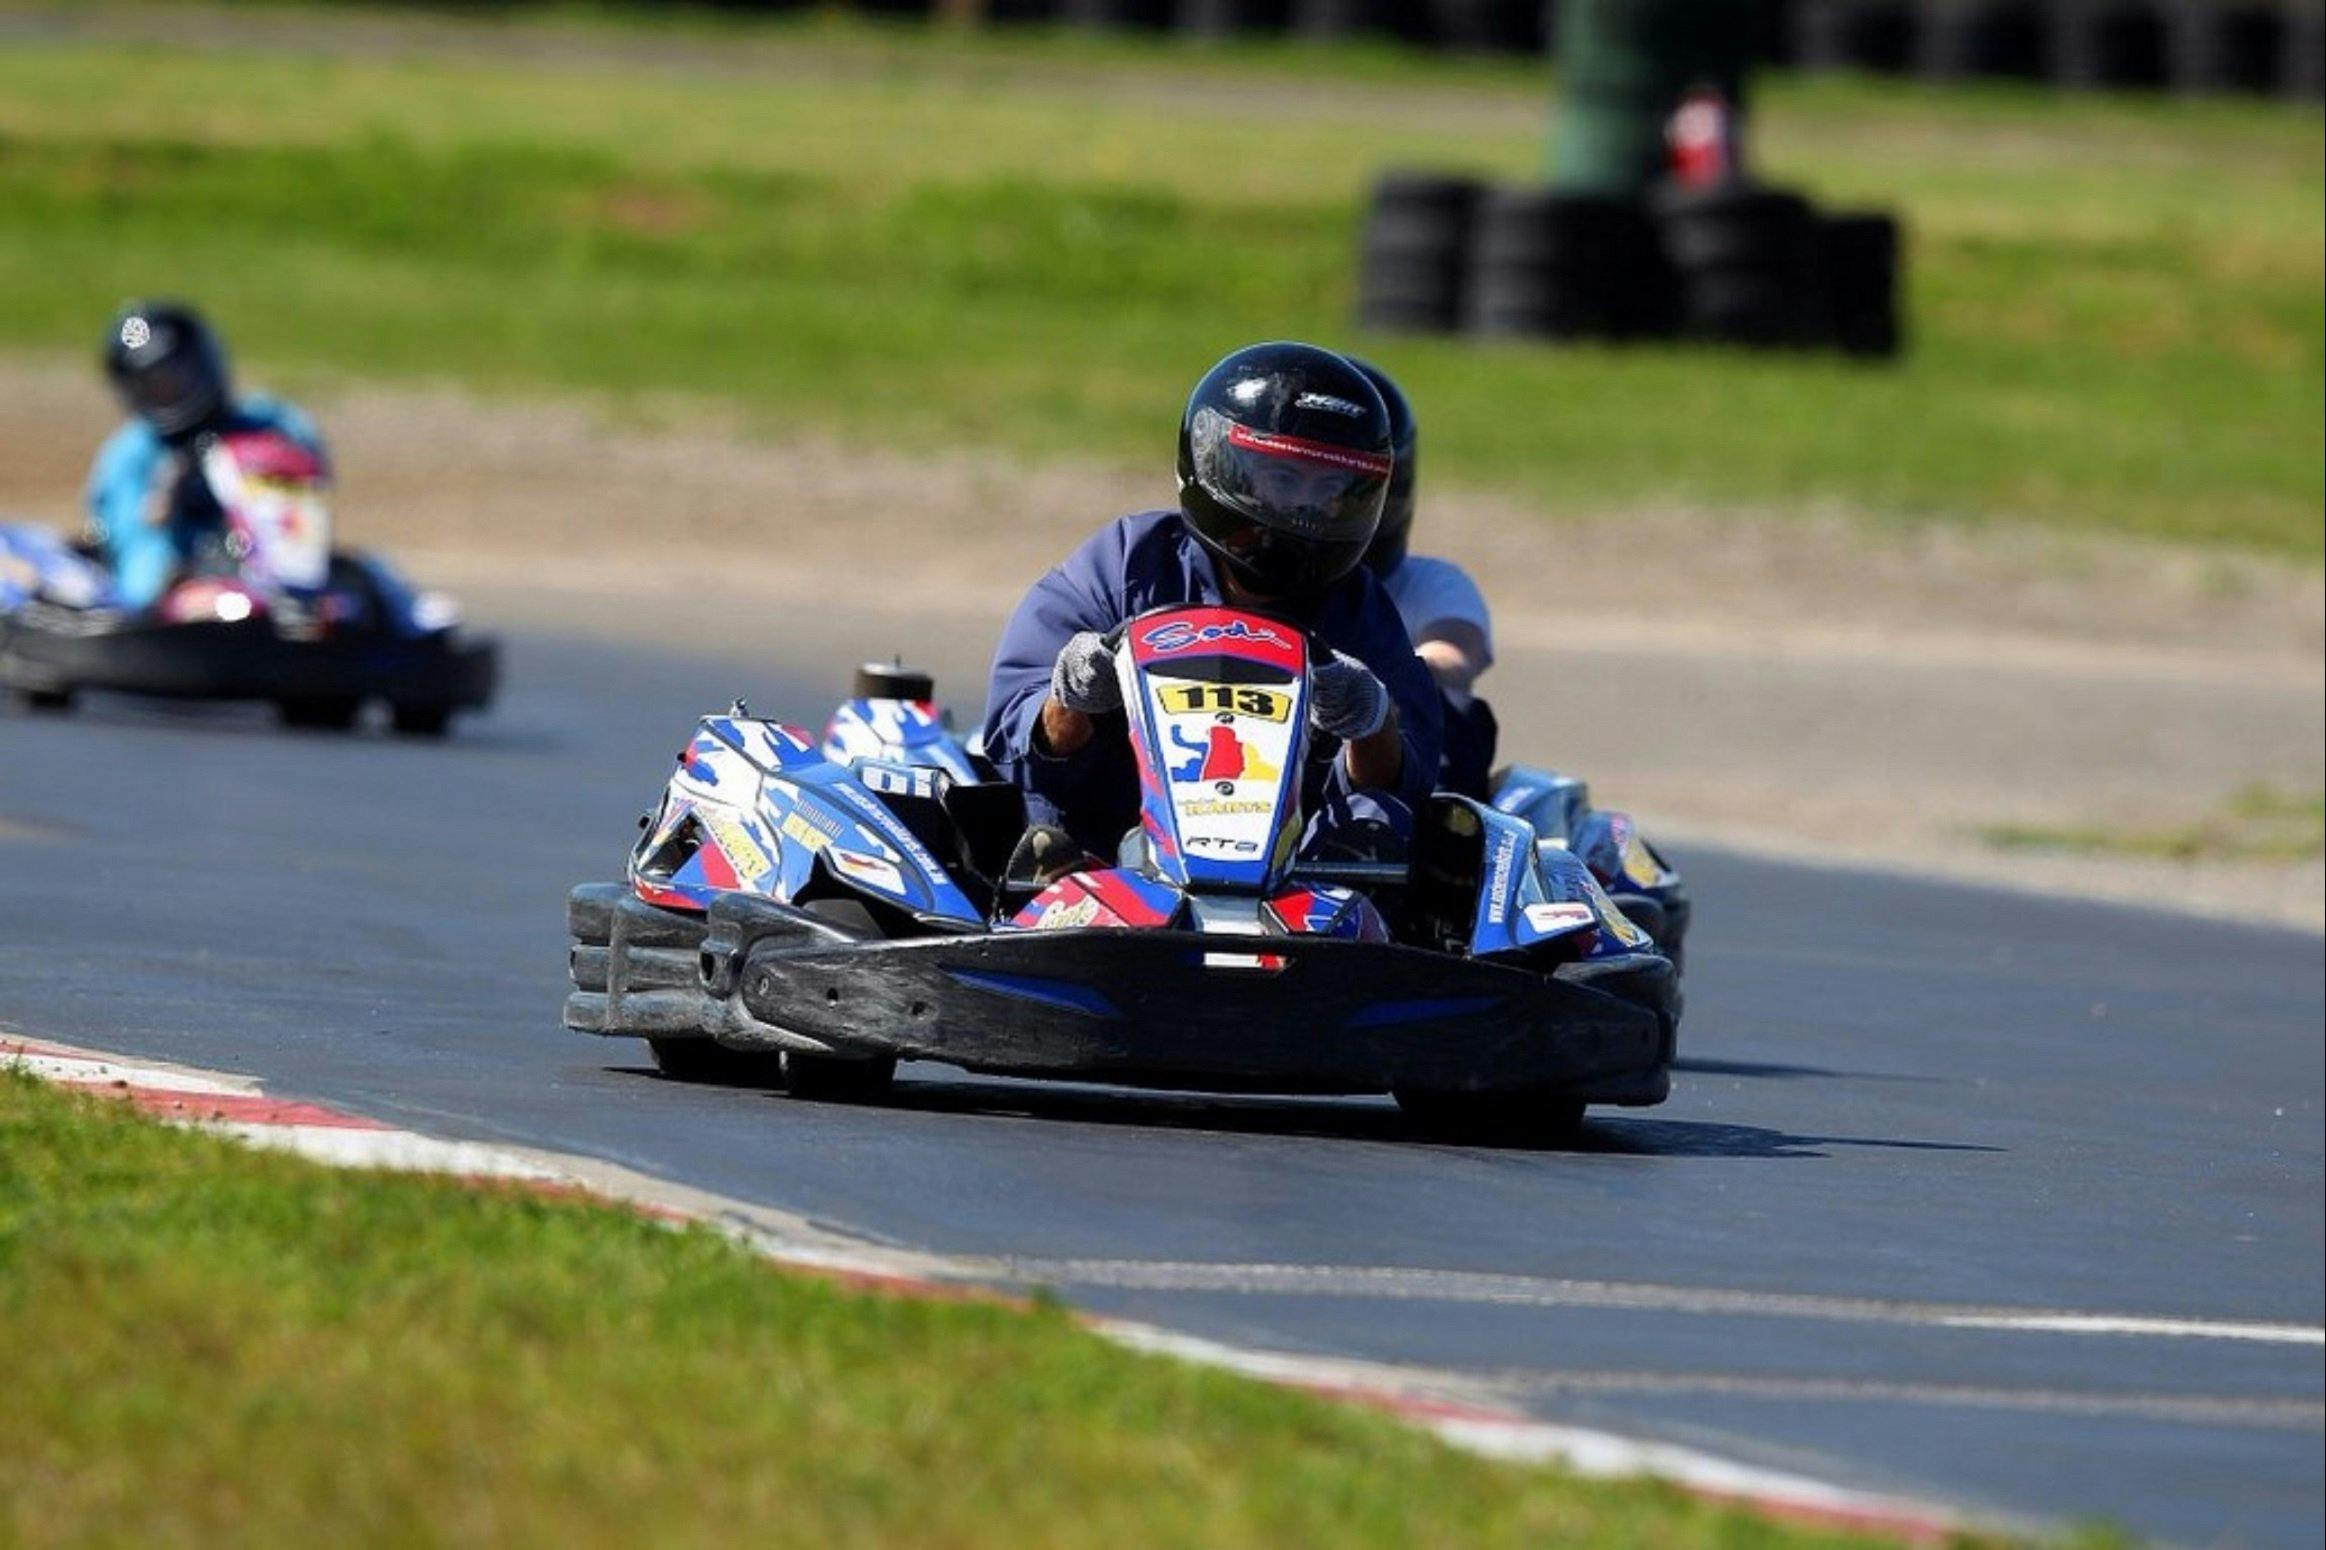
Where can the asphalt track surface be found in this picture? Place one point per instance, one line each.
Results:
(1899, 1100)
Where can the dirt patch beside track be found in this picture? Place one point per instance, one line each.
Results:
(1794, 682)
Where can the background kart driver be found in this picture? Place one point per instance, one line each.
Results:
(1284, 461)
(148, 502)
(1443, 610)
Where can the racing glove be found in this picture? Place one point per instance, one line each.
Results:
(1083, 678)
(1345, 700)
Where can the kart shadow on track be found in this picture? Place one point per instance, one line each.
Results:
(1344, 1119)
(1779, 1071)
(230, 719)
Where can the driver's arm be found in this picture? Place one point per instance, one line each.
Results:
(1455, 651)
(1059, 731)
(1377, 760)
(1036, 741)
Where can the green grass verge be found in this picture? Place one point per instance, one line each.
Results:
(2260, 823)
(1037, 242)
(208, 1345)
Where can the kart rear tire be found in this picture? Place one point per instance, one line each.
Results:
(47, 701)
(420, 720)
(838, 1079)
(1494, 1119)
(321, 713)
(701, 1060)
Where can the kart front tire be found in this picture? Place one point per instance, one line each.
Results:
(840, 1078)
(1493, 1119)
(420, 720)
(701, 1060)
(836, 1079)
(320, 713)
(48, 701)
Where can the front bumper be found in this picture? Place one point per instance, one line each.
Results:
(1149, 1008)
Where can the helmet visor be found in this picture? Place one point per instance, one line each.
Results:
(1301, 488)
(173, 392)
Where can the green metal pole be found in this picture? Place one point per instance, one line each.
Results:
(1624, 66)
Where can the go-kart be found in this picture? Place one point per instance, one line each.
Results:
(266, 610)
(811, 911)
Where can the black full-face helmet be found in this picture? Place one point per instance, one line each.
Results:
(167, 366)
(1283, 462)
(1396, 530)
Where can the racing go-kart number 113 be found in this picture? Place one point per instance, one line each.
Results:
(814, 910)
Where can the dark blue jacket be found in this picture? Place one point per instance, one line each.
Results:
(1152, 561)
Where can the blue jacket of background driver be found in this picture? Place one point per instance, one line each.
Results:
(137, 475)
(1153, 560)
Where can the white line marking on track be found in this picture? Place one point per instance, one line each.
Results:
(2285, 1414)
(1404, 1283)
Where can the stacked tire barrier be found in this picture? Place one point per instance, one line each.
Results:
(2253, 46)
(1735, 264)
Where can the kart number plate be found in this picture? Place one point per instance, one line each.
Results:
(1193, 699)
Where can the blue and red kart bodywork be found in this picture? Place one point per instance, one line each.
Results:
(847, 901)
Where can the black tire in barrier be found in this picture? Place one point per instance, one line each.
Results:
(1777, 32)
(1227, 18)
(1567, 266)
(2302, 54)
(1960, 39)
(1489, 26)
(1875, 35)
(2222, 45)
(1733, 225)
(1154, 15)
(1416, 251)
(1342, 18)
(2107, 43)
(1742, 256)
(1855, 284)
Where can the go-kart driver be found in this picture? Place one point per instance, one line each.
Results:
(1444, 612)
(1284, 460)
(150, 506)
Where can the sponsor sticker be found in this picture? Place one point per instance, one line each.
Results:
(1551, 918)
(1068, 915)
(800, 831)
(1614, 919)
(1219, 758)
(1179, 635)
(1498, 879)
(750, 862)
(1224, 807)
(1272, 444)
(1638, 864)
(870, 870)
